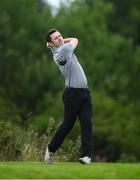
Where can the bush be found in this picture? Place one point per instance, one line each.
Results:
(116, 131)
(10, 146)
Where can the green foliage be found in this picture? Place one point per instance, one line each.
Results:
(17, 144)
(9, 145)
(115, 130)
(9, 111)
(23, 60)
(49, 105)
(126, 15)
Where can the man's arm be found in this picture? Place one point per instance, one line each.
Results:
(72, 41)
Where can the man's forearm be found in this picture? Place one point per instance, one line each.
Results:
(67, 40)
(72, 41)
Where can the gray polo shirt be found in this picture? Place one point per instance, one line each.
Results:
(69, 66)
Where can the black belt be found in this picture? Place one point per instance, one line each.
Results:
(76, 89)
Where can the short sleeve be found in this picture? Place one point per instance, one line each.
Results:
(64, 54)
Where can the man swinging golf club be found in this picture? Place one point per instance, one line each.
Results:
(76, 96)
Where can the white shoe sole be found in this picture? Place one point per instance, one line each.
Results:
(83, 161)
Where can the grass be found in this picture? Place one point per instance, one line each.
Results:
(38, 170)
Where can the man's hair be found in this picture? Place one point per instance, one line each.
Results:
(51, 31)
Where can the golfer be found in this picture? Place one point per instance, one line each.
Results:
(76, 96)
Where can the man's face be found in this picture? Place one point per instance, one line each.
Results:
(56, 39)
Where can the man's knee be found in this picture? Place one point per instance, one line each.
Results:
(67, 127)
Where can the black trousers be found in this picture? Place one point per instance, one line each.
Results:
(77, 103)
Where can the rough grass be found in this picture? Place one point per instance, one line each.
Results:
(38, 170)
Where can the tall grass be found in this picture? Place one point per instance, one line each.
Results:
(28, 145)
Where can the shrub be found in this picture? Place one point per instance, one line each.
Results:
(9, 145)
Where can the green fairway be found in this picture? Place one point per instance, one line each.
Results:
(38, 170)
